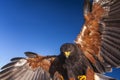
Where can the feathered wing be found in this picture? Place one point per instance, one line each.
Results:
(100, 37)
(34, 67)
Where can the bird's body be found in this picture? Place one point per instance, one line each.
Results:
(74, 63)
(95, 51)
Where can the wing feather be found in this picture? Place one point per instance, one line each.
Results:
(34, 67)
(100, 37)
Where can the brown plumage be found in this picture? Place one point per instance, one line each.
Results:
(100, 33)
(90, 38)
(99, 38)
(35, 67)
(95, 51)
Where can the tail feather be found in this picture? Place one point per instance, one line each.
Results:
(98, 76)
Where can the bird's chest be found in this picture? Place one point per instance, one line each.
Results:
(76, 65)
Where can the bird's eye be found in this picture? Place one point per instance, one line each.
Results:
(69, 50)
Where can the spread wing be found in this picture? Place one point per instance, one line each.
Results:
(100, 37)
(34, 67)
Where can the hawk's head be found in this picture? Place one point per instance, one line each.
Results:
(68, 49)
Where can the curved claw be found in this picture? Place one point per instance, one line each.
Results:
(82, 77)
(87, 7)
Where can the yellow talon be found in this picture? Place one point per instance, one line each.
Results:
(82, 77)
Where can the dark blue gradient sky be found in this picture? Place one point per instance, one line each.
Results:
(40, 26)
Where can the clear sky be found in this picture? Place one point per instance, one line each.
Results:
(41, 26)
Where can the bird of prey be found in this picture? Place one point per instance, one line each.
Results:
(96, 50)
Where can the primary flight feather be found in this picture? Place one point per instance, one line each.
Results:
(96, 50)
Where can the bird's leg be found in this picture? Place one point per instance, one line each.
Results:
(58, 76)
(89, 74)
(82, 77)
(71, 75)
(71, 78)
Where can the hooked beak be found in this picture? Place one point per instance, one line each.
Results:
(67, 54)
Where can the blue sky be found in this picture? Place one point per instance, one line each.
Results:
(41, 26)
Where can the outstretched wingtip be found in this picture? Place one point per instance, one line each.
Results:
(30, 54)
(87, 6)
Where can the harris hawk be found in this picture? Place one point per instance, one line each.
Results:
(96, 50)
